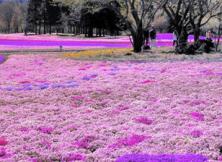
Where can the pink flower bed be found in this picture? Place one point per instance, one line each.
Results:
(57, 48)
(21, 36)
(53, 108)
(20, 42)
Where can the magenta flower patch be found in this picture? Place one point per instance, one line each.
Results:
(84, 142)
(123, 107)
(220, 158)
(119, 109)
(197, 116)
(129, 141)
(148, 82)
(2, 152)
(82, 69)
(163, 70)
(77, 98)
(197, 102)
(25, 82)
(46, 130)
(89, 77)
(196, 133)
(73, 157)
(143, 120)
(3, 141)
(208, 72)
(45, 144)
(24, 129)
(162, 158)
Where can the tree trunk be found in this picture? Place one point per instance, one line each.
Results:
(182, 42)
(44, 28)
(138, 39)
(196, 35)
(36, 30)
(50, 29)
(90, 31)
(8, 27)
(103, 31)
(74, 29)
(100, 32)
(219, 37)
(40, 27)
(197, 32)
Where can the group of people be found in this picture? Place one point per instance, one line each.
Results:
(209, 36)
(150, 38)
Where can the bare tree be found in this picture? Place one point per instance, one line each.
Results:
(12, 16)
(188, 16)
(18, 19)
(201, 12)
(138, 15)
(178, 13)
(7, 12)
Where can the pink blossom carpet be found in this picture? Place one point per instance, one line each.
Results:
(56, 109)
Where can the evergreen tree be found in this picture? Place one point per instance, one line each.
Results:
(34, 16)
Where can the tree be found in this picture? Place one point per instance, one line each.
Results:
(44, 13)
(34, 16)
(18, 20)
(87, 15)
(99, 16)
(187, 17)
(178, 11)
(137, 15)
(7, 10)
(201, 12)
(54, 15)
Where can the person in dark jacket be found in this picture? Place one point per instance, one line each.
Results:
(147, 37)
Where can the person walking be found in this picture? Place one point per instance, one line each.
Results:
(153, 36)
(209, 35)
(147, 37)
(209, 44)
(175, 35)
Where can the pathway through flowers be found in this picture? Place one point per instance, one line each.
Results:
(61, 109)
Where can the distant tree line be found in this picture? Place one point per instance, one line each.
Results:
(44, 16)
(48, 16)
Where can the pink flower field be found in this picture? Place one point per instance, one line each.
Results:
(14, 42)
(58, 109)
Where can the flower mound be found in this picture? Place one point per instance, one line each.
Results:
(3, 141)
(144, 120)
